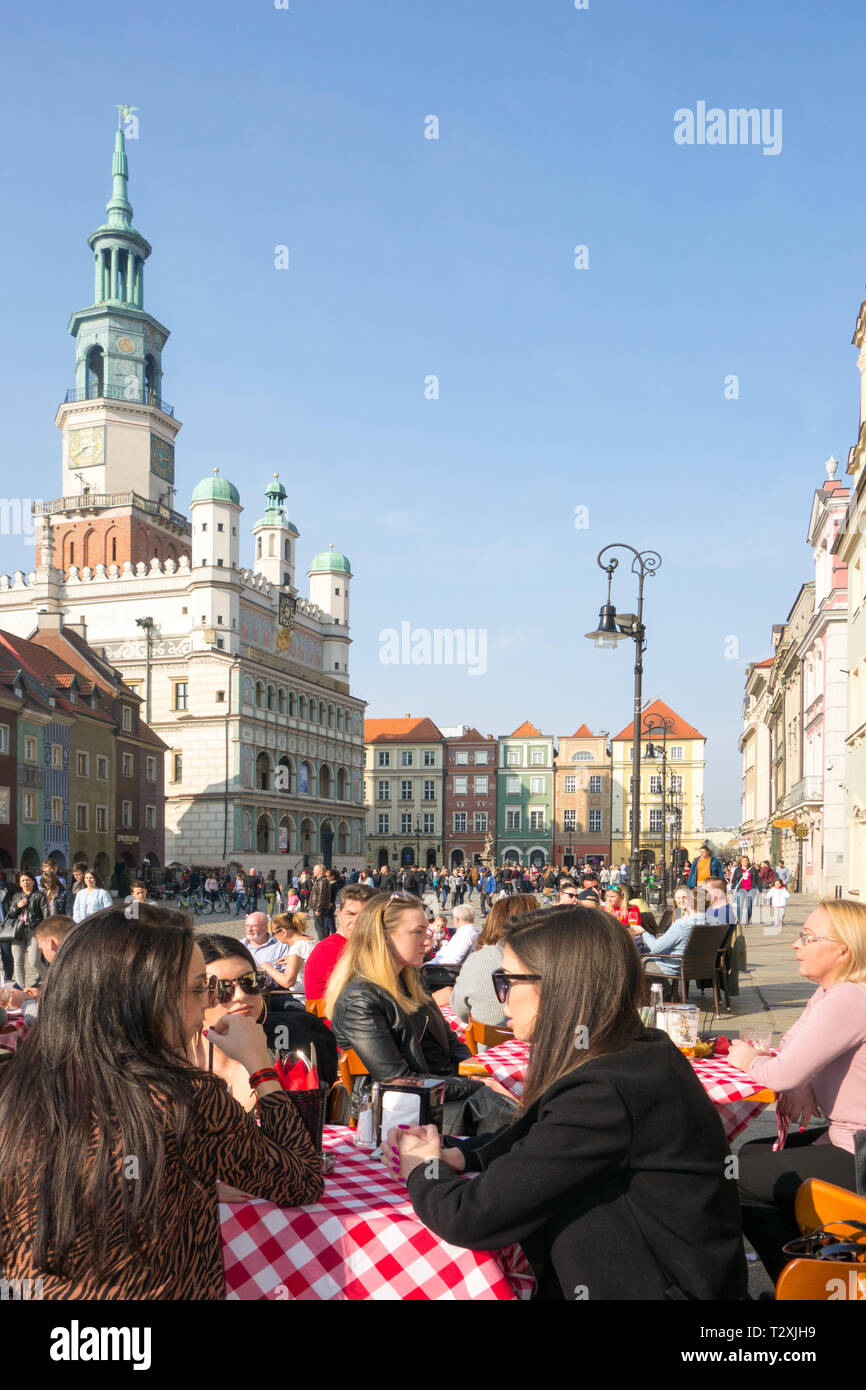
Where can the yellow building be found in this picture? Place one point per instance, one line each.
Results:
(671, 792)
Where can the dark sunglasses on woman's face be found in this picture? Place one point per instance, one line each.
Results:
(502, 982)
(222, 991)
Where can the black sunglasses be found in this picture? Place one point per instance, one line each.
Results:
(502, 982)
(221, 991)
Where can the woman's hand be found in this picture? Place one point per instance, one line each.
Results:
(742, 1055)
(798, 1106)
(411, 1147)
(495, 1086)
(242, 1039)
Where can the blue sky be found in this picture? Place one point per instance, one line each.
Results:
(558, 388)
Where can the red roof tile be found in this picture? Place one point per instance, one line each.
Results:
(406, 730)
(526, 729)
(680, 728)
(582, 732)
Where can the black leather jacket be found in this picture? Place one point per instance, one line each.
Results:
(392, 1043)
(18, 906)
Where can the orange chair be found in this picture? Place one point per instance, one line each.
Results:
(818, 1281)
(818, 1203)
(485, 1035)
(349, 1064)
(316, 1006)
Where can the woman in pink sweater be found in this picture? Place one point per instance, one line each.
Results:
(821, 1071)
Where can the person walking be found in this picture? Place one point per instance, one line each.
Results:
(746, 887)
(320, 901)
(778, 896)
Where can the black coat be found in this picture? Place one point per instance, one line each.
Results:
(18, 907)
(613, 1183)
(392, 1043)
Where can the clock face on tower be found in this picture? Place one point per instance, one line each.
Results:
(86, 446)
(162, 458)
(288, 608)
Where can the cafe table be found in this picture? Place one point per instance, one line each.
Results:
(362, 1241)
(732, 1091)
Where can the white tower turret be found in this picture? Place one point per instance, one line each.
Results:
(274, 539)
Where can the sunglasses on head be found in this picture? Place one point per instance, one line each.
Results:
(502, 982)
(222, 991)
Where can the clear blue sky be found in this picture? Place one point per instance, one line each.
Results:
(559, 388)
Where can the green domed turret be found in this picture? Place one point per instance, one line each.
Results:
(330, 559)
(216, 489)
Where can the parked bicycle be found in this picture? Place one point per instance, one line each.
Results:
(195, 902)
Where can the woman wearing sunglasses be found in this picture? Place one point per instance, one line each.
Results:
(112, 1142)
(380, 1007)
(237, 987)
(612, 1177)
(820, 1071)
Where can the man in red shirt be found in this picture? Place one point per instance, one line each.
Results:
(324, 957)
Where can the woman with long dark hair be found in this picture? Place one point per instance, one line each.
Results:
(25, 912)
(613, 1177)
(112, 1142)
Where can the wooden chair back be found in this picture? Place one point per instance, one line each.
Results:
(485, 1035)
(316, 1006)
(349, 1065)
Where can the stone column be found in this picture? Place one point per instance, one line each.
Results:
(98, 278)
(130, 277)
(113, 282)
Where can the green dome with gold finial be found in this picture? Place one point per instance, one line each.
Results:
(216, 489)
(330, 560)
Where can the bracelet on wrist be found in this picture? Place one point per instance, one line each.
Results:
(266, 1074)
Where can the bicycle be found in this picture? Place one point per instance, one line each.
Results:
(194, 902)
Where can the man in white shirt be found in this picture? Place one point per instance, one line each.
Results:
(455, 951)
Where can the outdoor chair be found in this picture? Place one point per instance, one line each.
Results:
(482, 1035)
(820, 1204)
(702, 959)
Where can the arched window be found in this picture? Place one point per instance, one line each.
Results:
(260, 695)
(342, 784)
(272, 544)
(263, 772)
(582, 758)
(325, 782)
(284, 780)
(150, 391)
(293, 705)
(247, 690)
(339, 719)
(304, 779)
(94, 373)
(258, 548)
(303, 706)
(330, 716)
(264, 835)
(287, 554)
(272, 698)
(342, 838)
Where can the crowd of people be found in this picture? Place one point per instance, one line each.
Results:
(149, 1040)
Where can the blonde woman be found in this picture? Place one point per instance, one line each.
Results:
(380, 1008)
(288, 973)
(820, 1071)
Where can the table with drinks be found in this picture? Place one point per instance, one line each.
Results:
(361, 1241)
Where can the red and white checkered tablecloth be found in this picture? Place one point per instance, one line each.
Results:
(10, 1041)
(725, 1085)
(362, 1241)
(453, 1021)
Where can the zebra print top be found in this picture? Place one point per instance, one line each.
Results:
(278, 1162)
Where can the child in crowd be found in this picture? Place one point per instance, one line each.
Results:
(778, 897)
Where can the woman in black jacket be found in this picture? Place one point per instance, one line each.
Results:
(26, 910)
(613, 1178)
(381, 1009)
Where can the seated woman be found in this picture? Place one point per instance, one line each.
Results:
(239, 985)
(616, 902)
(612, 1175)
(820, 1070)
(92, 1087)
(473, 989)
(380, 1008)
(288, 973)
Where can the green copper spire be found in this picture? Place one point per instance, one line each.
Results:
(118, 207)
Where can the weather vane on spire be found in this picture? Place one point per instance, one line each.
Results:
(124, 113)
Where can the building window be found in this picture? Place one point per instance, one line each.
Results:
(462, 759)
(461, 786)
(150, 770)
(512, 757)
(595, 784)
(383, 792)
(5, 805)
(678, 754)
(429, 823)
(570, 784)
(481, 759)
(536, 757)
(569, 820)
(220, 526)
(56, 756)
(480, 822)
(405, 822)
(126, 813)
(127, 765)
(536, 785)
(4, 738)
(177, 768)
(126, 717)
(655, 784)
(82, 764)
(676, 783)
(28, 811)
(481, 786)
(512, 820)
(102, 819)
(101, 769)
(384, 759)
(30, 750)
(384, 822)
(406, 758)
(512, 786)
(459, 822)
(536, 820)
(181, 694)
(405, 791)
(429, 757)
(57, 810)
(82, 816)
(595, 821)
(429, 790)
(655, 818)
(150, 817)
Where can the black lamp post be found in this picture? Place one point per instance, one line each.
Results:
(417, 840)
(652, 724)
(147, 624)
(612, 629)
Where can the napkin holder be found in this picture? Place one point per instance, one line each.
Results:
(409, 1100)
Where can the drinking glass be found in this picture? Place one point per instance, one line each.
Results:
(761, 1039)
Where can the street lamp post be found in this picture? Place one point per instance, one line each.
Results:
(417, 840)
(147, 624)
(652, 723)
(612, 629)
